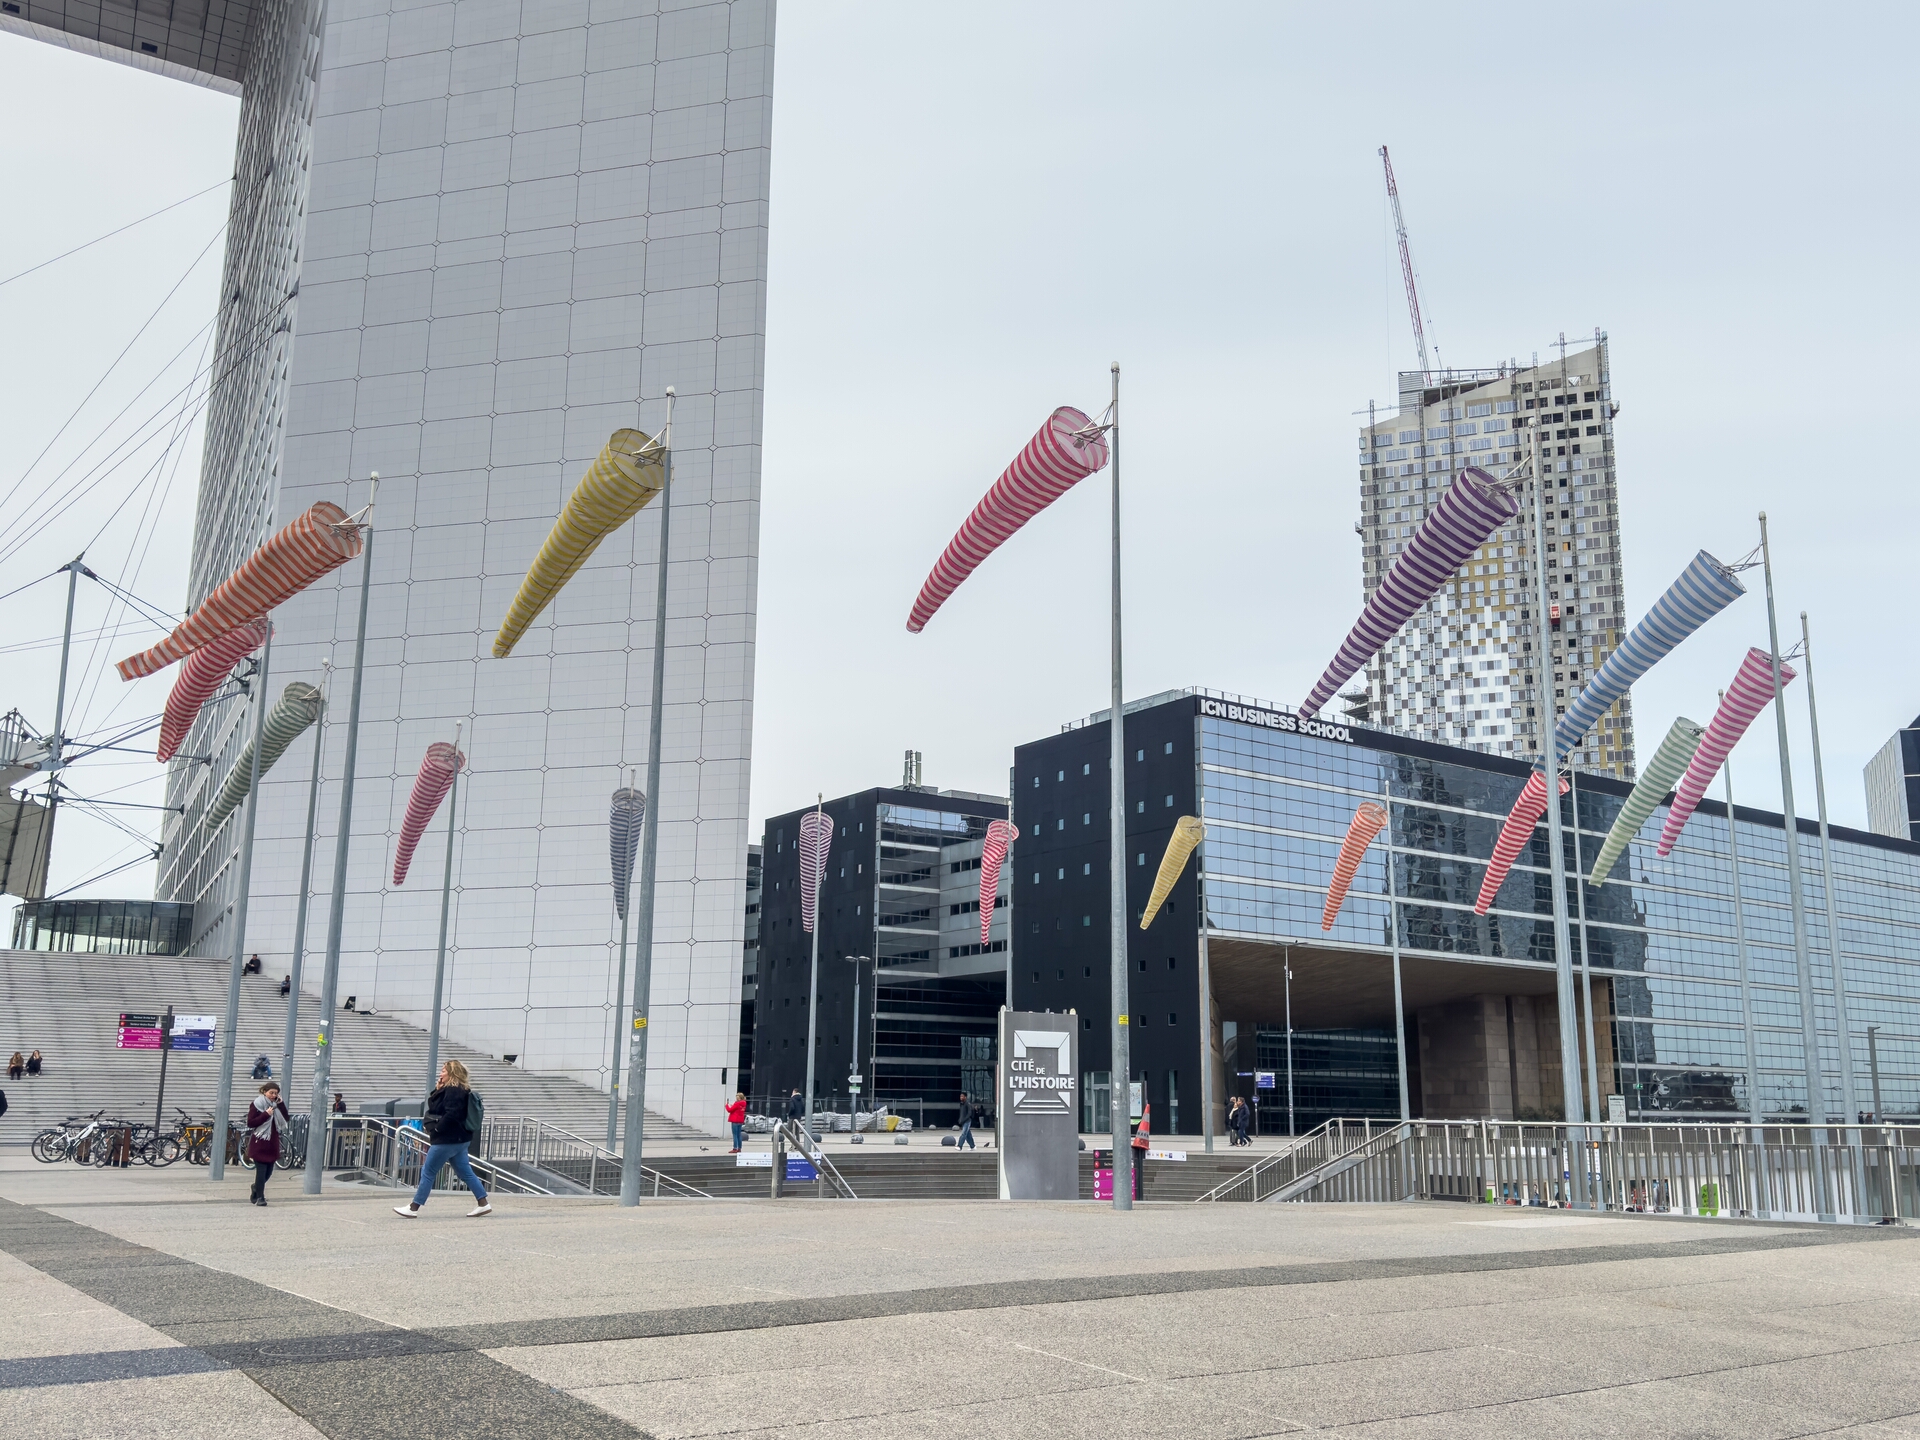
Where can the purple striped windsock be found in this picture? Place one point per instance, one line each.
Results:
(1752, 688)
(1055, 460)
(1473, 507)
(441, 763)
(816, 839)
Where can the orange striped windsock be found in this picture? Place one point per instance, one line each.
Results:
(206, 671)
(295, 555)
(1187, 833)
(441, 763)
(1514, 836)
(1367, 822)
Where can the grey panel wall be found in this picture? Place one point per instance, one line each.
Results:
(528, 218)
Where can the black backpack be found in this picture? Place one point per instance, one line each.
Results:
(476, 1116)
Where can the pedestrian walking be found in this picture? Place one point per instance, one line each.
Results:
(452, 1121)
(267, 1120)
(737, 1118)
(796, 1106)
(965, 1142)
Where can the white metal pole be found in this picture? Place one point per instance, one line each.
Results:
(1843, 1027)
(1809, 1021)
(1122, 1076)
(649, 852)
(813, 974)
(306, 885)
(1393, 933)
(619, 998)
(337, 903)
(1588, 1040)
(1740, 949)
(1288, 966)
(1206, 975)
(243, 882)
(446, 906)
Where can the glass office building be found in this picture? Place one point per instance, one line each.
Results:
(1681, 1013)
(104, 927)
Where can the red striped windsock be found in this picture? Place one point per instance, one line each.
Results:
(993, 854)
(1514, 836)
(206, 671)
(441, 763)
(1054, 461)
(1752, 688)
(294, 556)
(816, 839)
(1367, 822)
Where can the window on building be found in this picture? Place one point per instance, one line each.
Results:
(1140, 808)
(1086, 817)
(1086, 769)
(1169, 749)
(1169, 802)
(1087, 869)
(1141, 858)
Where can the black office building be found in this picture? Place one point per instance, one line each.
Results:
(900, 900)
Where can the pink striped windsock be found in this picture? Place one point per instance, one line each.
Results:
(1752, 688)
(441, 763)
(1514, 836)
(1366, 823)
(1473, 507)
(993, 854)
(206, 671)
(1054, 461)
(816, 841)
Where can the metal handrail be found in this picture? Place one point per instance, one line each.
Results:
(1322, 1143)
(405, 1151)
(1852, 1174)
(793, 1133)
(574, 1159)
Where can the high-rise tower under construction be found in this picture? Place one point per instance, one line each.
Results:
(1466, 668)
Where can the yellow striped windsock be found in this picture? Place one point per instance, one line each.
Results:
(1187, 831)
(622, 480)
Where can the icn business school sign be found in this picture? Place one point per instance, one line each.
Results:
(1277, 720)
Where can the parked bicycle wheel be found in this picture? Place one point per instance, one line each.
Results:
(49, 1146)
(202, 1151)
(164, 1150)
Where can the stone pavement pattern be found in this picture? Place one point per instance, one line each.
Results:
(156, 1303)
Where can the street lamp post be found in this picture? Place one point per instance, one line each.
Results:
(855, 1079)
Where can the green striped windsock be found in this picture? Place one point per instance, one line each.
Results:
(298, 708)
(1657, 780)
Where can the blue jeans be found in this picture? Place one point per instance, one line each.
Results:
(456, 1156)
(739, 1134)
(966, 1136)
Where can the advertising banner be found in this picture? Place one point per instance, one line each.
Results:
(1039, 1139)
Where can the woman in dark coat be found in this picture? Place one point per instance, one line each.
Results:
(267, 1121)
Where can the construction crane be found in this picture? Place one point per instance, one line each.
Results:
(1406, 261)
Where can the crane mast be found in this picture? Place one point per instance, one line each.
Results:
(1406, 261)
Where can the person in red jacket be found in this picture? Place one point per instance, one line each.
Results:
(737, 1118)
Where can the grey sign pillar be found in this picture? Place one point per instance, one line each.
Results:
(1039, 1106)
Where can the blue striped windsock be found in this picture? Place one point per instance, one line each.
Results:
(1704, 589)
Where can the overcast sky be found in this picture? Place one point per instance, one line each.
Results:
(977, 207)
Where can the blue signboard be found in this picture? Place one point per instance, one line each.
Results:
(800, 1169)
(1263, 1079)
(194, 1032)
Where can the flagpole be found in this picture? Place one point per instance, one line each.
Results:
(306, 884)
(813, 978)
(337, 902)
(1809, 1021)
(446, 903)
(1740, 949)
(243, 883)
(1120, 1076)
(649, 849)
(1850, 1112)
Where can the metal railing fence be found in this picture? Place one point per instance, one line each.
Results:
(582, 1164)
(1311, 1151)
(1852, 1174)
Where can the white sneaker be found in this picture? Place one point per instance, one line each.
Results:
(485, 1207)
(410, 1210)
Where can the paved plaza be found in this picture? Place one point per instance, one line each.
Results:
(157, 1304)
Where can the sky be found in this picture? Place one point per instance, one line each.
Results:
(976, 209)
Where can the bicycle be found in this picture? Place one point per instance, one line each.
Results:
(64, 1141)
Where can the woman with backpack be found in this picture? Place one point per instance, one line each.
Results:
(267, 1121)
(451, 1122)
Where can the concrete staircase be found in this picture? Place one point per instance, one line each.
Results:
(934, 1172)
(68, 1006)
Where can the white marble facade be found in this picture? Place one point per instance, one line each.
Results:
(526, 219)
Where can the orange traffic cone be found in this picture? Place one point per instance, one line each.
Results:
(1144, 1135)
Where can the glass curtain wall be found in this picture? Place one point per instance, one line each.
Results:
(1661, 931)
